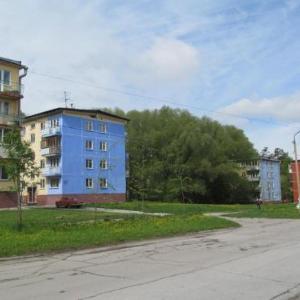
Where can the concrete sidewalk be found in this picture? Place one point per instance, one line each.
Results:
(259, 260)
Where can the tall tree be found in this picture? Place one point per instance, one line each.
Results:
(19, 165)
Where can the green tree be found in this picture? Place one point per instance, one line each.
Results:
(19, 165)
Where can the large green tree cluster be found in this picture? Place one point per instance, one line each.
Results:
(175, 156)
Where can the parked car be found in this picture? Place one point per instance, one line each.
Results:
(68, 202)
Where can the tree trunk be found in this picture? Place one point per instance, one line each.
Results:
(19, 214)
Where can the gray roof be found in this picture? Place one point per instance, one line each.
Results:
(66, 109)
(11, 61)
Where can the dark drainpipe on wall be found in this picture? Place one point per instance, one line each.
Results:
(25, 68)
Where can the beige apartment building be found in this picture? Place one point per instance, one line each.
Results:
(11, 92)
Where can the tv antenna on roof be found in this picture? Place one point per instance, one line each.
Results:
(66, 98)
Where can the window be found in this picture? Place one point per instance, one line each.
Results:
(89, 125)
(103, 183)
(89, 163)
(89, 183)
(3, 174)
(2, 133)
(103, 164)
(32, 126)
(103, 146)
(42, 125)
(89, 145)
(42, 163)
(4, 80)
(42, 183)
(32, 138)
(54, 182)
(54, 162)
(54, 123)
(103, 127)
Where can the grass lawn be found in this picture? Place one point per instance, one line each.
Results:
(285, 211)
(173, 208)
(48, 230)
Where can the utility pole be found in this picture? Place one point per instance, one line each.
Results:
(297, 168)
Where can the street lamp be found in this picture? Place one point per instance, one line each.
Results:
(297, 169)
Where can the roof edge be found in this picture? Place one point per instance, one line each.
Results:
(65, 109)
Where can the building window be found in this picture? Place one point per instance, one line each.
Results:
(32, 138)
(32, 125)
(2, 133)
(42, 125)
(103, 183)
(42, 163)
(42, 183)
(89, 183)
(103, 127)
(89, 125)
(103, 164)
(103, 146)
(54, 162)
(4, 80)
(54, 123)
(54, 182)
(89, 145)
(3, 174)
(89, 163)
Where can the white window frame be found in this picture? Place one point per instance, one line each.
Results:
(32, 138)
(103, 146)
(89, 144)
(103, 127)
(89, 125)
(89, 164)
(103, 164)
(2, 83)
(42, 184)
(105, 185)
(89, 183)
(55, 186)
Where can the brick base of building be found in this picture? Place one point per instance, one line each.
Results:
(50, 200)
(8, 199)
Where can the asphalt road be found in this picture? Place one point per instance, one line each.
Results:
(260, 260)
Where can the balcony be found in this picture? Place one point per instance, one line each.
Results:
(12, 89)
(7, 119)
(51, 131)
(50, 151)
(51, 171)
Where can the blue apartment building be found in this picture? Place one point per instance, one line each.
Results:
(265, 174)
(81, 154)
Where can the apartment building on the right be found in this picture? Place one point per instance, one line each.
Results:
(265, 174)
(293, 180)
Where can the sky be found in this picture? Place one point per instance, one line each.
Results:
(235, 61)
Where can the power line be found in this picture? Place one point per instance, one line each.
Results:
(157, 99)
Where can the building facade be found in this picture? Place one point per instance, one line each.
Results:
(11, 93)
(265, 174)
(293, 180)
(81, 154)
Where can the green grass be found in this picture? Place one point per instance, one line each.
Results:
(173, 208)
(274, 211)
(282, 211)
(48, 230)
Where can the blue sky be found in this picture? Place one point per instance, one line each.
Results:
(235, 61)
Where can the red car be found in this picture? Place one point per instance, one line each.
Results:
(67, 202)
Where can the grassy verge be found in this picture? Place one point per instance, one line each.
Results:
(173, 208)
(283, 211)
(48, 230)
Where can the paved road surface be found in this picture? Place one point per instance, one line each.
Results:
(260, 260)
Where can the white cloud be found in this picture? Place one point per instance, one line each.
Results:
(284, 108)
(170, 60)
